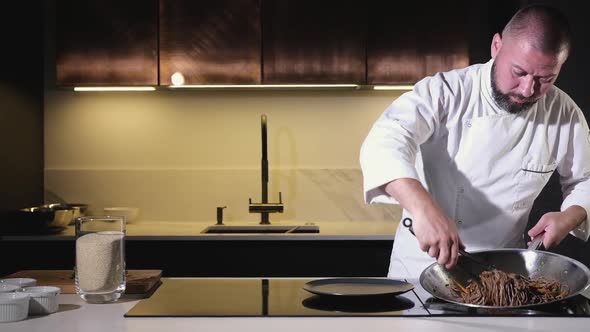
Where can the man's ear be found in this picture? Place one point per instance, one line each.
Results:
(496, 45)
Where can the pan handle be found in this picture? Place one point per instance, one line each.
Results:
(535, 243)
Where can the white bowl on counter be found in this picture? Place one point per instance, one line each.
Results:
(14, 306)
(8, 288)
(43, 299)
(130, 213)
(21, 282)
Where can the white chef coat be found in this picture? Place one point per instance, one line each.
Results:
(482, 165)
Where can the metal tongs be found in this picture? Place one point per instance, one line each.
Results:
(535, 244)
(407, 222)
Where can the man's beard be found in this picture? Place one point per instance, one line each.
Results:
(503, 99)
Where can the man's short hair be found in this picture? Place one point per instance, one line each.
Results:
(547, 27)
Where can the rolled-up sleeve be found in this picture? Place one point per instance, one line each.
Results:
(390, 148)
(574, 172)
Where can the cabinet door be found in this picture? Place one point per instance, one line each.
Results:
(21, 113)
(106, 42)
(307, 41)
(210, 42)
(408, 40)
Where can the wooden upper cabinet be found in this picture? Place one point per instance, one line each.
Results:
(210, 42)
(310, 41)
(107, 42)
(408, 40)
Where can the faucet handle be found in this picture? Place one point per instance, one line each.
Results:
(220, 214)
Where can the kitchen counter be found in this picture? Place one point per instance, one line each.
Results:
(76, 315)
(190, 231)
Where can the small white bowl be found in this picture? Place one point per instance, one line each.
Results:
(22, 282)
(43, 299)
(14, 306)
(8, 288)
(130, 213)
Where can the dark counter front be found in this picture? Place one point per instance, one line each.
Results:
(194, 258)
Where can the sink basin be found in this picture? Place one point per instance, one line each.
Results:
(261, 229)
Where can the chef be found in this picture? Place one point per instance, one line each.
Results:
(466, 152)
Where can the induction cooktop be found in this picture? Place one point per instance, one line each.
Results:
(286, 297)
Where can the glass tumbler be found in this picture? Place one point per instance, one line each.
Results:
(100, 258)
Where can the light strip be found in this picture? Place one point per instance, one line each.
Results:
(114, 88)
(243, 86)
(265, 86)
(393, 87)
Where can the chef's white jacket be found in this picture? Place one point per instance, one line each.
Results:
(483, 165)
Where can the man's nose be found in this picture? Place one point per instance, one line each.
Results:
(527, 86)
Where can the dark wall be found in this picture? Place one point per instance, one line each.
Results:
(576, 70)
(486, 18)
(21, 104)
(573, 81)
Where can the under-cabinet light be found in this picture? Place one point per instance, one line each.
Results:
(114, 88)
(393, 87)
(267, 86)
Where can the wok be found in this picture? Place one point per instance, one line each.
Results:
(435, 279)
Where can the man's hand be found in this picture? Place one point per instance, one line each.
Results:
(437, 236)
(435, 232)
(557, 225)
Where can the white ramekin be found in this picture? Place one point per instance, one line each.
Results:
(8, 288)
(14, 306)
(22, 282)
(43, 299)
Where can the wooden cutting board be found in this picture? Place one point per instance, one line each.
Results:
(138, 281)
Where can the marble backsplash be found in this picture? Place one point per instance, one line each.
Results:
(177, 155)
(309, 195)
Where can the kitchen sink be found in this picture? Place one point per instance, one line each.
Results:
(261, 229)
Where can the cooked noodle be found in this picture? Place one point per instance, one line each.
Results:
(498, 288)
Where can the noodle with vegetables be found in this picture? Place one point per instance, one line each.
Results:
(498, 288)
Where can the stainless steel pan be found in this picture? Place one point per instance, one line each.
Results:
(435, 279)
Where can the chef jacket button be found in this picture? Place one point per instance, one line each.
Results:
(519, 205)
(469, 124)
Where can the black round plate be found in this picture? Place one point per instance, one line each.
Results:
(357, 286)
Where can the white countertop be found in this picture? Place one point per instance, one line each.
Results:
(185, 230)
(75, 315)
